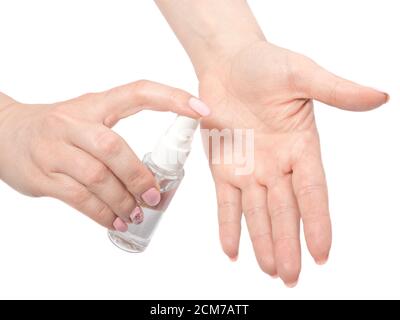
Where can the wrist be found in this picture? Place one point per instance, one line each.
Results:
(6, 103)
(220, 47)
(210, 30)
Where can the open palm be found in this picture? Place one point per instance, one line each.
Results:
(271, 90)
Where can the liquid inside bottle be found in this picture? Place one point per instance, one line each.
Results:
(139, 233)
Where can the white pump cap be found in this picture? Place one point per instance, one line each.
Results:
(173, 148)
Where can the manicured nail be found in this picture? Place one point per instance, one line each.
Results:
(199, 106)
(152, 197)
(120, 225)
(291, 285)
(137, 216)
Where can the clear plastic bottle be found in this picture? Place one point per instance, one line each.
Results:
(166, 162)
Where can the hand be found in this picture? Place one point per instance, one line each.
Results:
(68, 151)
(271, 90)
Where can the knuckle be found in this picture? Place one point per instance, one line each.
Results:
(108, 143)
(176, 96)
(333, 91)
(309, 189)
(281, 210)
(316, 219)
(96, 175)
(78, 196)
(226, 205)
(261, 237)
(229, 228)
(284, 240)
(228, 224)
(140, 87)
(141, 84)
(104, 216)
(255, 211)
(116, 92)
(127, 204)
(139, 177)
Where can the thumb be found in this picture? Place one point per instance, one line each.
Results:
(126, 100)
(341, 93)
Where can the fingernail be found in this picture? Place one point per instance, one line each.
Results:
(274, 276)
(137, 216)
(120, 225)
(152, 197)
(199, 106)
(387, 96)
(321, 262)
(233, 259)
(291, 285)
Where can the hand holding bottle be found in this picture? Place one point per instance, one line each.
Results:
(68, 151)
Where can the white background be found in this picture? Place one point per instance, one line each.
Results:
(54, 50)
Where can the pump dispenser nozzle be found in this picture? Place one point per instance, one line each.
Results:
(173, 148)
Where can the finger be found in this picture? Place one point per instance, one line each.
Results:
(310, 188)
(255, 208)
(98, 179)
(229, 218)
(285, 220)
(129, 99)
(338, 92)
(111, 150)
(76, 195)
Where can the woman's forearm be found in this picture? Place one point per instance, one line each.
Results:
(210, 28)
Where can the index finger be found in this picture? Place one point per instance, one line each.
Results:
(126, 100)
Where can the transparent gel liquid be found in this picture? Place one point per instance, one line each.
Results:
(138, 236)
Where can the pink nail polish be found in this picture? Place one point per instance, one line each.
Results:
(199, 106)
(137, 216)
(120, 225)
(152, 197)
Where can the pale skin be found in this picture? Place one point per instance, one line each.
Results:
(68, 151)
(251, 83)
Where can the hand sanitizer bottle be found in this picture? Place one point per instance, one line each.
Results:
(166, 163)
